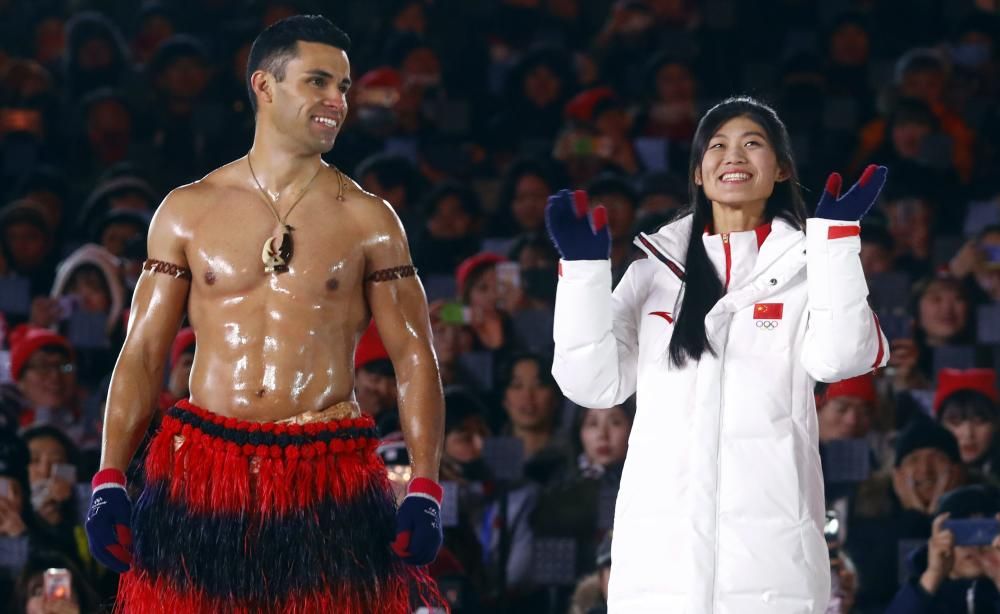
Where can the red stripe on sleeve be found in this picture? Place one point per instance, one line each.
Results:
(839, 232)
(881, 349)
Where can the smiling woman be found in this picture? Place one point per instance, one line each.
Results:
(721, 333)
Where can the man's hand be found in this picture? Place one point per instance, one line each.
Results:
(109, 521)
(419, 534)
(940, 555)
(577, 235)
(853, 206)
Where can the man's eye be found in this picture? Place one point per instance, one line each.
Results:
(316, 81)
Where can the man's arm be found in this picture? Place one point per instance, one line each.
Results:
(157, 308)
(399, 306)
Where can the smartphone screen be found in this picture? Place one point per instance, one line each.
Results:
(65, 472)
(58, 584)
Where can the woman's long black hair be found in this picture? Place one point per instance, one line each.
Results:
(702, 286)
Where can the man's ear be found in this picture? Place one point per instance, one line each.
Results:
(260, 82)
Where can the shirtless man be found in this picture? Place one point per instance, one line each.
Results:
(264, 491)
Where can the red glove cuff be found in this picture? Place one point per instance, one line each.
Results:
(426, 487)
(107, 478)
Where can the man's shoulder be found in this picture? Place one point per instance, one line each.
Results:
(370, 210)
(192, 195)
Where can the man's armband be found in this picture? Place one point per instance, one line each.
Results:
(398, 272)
(167, 268)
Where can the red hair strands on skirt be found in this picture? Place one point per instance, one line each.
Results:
(255, 517)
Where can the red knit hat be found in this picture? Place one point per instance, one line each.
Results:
(472, 263)
(862, 387)
(369, 348)
(26, 339)
(381, 77)
(582, 106)
(182, 342)
(950, 381)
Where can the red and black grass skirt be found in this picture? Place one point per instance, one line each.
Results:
(249, 517)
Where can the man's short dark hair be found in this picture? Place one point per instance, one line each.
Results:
(278, 43)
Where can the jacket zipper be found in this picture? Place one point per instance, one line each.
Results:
(729, 257)
(718, 454)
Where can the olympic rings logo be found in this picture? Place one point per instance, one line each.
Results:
(768, 324)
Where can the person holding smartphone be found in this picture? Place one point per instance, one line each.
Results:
(958, 570)
(740, 307)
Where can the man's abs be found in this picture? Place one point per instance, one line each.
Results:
(256, 368)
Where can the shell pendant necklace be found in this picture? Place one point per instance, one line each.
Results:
(277, 260)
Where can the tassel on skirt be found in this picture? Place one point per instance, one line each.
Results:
(257, 517)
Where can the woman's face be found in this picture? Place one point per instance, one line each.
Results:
(942, 312)
(604, 434)
(529, 402)
(844, 418)
(974, 434)
(465, 444)
(674, 84)
(908, 138)
(528, 206)
(90, 290)
(740, 166)
(45, 452)
(483, 293)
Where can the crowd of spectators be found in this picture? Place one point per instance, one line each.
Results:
(465, 116)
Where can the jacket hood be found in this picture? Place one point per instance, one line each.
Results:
(108, 264)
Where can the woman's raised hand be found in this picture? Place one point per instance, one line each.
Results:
(853, 206)
(577, 234)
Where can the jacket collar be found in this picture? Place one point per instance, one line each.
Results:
(672, 241)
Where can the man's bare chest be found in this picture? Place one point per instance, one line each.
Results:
(233, 251)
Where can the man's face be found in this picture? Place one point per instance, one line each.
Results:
(875, 258)
(926, 85)
(929, 472)
(185, 77)
(28, 245)
(180, 375)
(376, 393)
(115, 236)
(48, 380)
(309, 105)
(109, 130)
(844, 418)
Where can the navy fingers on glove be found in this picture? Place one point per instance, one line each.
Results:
(109, 521)
(418, 523)
(576, 234)
(851, 207)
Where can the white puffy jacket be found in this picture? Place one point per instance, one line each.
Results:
(721, 503)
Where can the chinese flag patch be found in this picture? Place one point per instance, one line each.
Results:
(768, 311)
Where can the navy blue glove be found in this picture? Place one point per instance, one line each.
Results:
(109, 521)
(576, 235)
(853, 206)
(418, 523)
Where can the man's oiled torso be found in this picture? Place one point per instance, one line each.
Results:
(273, 346)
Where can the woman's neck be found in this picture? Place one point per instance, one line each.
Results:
(728, 218)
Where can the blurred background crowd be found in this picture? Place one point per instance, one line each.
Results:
(465, 116)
